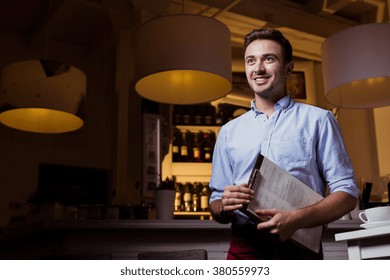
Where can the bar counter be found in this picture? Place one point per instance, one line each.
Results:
(124, 239)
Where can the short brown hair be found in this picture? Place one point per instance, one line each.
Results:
(270, 34)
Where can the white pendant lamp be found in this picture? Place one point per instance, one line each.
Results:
(41, 96)
(356, 66)
(183, 59)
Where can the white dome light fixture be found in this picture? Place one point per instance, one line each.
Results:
(42, 96)
(183, 59)
(356, 66)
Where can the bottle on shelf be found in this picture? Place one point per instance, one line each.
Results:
(184, 147)
(177, 115)
(176, 146)
(196, 148)
(188, 115)
(209, 117)
(198, 115)
(187, 197)
(207, 148)
(195, 198)
(178, 197)
(204, 198)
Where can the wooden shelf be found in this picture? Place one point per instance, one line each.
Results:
(197, 128)
(191, 168)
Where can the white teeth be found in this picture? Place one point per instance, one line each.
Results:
(260, 79)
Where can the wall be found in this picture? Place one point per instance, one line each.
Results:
(382, 132)
(359, 136)
(93, 146)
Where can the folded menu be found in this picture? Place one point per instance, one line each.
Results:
(276, 188)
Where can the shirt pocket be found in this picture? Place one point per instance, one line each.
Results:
(294, 151)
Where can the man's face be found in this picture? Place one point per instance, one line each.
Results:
(265, 69)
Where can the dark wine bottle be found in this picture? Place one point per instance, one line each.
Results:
(184, 147)
(207, 148)
(196, 148)
(204, 198)
(176, 146)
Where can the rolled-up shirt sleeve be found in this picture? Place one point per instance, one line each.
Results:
(333, 159)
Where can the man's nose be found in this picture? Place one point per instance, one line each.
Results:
(260, 69)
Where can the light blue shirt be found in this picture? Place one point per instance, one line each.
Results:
(304, 140)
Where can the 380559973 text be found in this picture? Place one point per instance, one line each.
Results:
(241, 270)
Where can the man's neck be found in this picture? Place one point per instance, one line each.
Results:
(264, 105)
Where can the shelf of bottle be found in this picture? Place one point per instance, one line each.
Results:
(201, 215)
(195, 128)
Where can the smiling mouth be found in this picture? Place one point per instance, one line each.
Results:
(260, 79)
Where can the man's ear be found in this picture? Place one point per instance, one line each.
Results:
(290, 68)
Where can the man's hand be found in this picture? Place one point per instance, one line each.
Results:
(280, 225)
(234, 197)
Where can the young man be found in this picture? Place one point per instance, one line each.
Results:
(304, 140)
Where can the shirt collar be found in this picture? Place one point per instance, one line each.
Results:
(285, 103)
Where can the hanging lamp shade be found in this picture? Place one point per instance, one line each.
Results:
(183, 59)
(356, 66)
(41, 96)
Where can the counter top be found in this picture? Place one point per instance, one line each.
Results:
(345, 224)
(161, 225)
(373, 243)
(363, 233)
(169, 224)
(139, 224)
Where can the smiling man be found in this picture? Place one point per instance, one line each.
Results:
(304, 140)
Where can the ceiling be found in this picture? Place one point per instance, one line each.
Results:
(306, 23)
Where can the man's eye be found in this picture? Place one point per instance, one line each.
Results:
(249, 60)
(269, 59)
